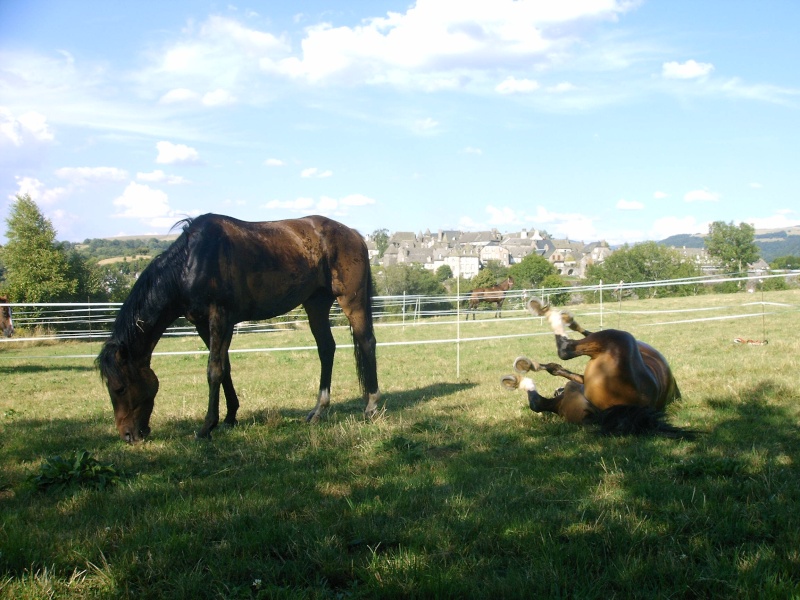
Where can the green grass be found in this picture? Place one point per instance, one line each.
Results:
(456, 490)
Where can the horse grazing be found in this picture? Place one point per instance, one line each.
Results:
(624, 388)
(221, 271)
(6, 323)
(496, 294)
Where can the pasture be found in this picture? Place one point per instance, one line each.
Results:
(456, 489)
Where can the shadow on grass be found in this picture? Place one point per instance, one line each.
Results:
(442, 506)
(49, 368)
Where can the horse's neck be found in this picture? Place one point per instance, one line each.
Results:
(141, 330)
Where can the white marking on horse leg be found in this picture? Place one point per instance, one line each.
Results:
(323, 401)
(527, 384)
(556, 322)
(372, 404)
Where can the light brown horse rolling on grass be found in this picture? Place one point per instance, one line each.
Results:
(624, 388)
(496, 294)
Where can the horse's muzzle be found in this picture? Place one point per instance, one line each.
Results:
(133, 435)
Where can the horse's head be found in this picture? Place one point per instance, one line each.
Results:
(6, 323)
(132, 387)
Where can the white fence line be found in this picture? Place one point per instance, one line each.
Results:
(93, 321)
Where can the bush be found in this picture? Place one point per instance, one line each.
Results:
(74, 470)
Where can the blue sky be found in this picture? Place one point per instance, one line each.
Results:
(594, 119)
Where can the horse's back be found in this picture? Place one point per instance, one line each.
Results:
(266, 268)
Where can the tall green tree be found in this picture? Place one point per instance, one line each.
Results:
(734, 246)
(381, 238)
(531, 271)
(37, 267)
(647, 261)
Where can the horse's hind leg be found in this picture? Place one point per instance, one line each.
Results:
(318, 309)
(364, 342)
(557, 318)
(523, 364)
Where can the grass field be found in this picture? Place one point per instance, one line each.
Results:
(456, 490)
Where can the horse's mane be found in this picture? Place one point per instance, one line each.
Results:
(158, 285)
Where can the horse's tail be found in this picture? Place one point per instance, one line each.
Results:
(364, 350)
(638, 420)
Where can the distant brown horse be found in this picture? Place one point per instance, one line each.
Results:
(6, 323)
(496, 294)
(624, 388)
(221, 271)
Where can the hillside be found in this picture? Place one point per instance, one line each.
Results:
(772, 242)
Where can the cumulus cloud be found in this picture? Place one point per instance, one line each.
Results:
(623, 204)
(80, 176)
(274, 162)
(158, 176)
(151, 206)
(701, 196)
(471, 150)
(179, 95)
(512, 85)
(315, 173)
(441, 41)
(176, 154)
(690, 69)
(667, 226)
(660, 195)
(325, 205)
(425, 126)
(38, 191)
(218, 97)
(28, 127)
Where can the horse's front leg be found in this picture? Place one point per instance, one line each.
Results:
(231, 398)
(218, 371)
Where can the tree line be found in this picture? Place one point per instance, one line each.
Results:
(36, 267)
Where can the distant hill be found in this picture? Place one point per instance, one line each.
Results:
(772, 242)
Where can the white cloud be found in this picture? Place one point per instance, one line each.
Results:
(158, 176)
(38, 191)
(218, 97)
(755, 185)
(179, 95)
(512, 85)
(780, 220)
(561, 88)
(85, 175)
(274, 162)
(425, 126)
(502, 216)
(471, 150)
(623, 204)
(688, 70)
(701, 196)
(140, 201)
(299, 204)
(667, 226)
(30, 128)
(176, 154)
(660, 195)
(324, 206)
(357, 200)
(442, 42)
(315, 173)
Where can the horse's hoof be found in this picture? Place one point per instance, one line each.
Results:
(312, 417)
(230, 424)
(536, 308)
(510, 382)
(523, 364)
(200, 436)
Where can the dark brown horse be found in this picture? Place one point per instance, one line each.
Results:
(6, 323)
(624, 388)
(221, 271)
(496, 294)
